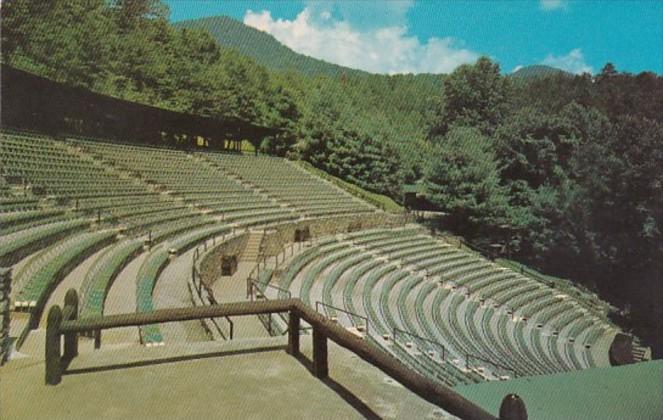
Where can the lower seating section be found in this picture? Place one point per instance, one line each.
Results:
(15, 241)
(151, 268)
(40, 274)
(446, 312)
(61, 198)
(100, 277)
(147, 277)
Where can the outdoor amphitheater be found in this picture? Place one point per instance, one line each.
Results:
(95, 231)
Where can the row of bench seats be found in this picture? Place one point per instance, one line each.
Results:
(64, 200)
(493, 323)
(290, 184)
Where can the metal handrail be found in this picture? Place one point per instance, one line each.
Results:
(326, 305)
(428, 340)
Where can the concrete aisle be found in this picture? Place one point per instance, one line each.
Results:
(121, 299)
(171, 291)
(233, 289)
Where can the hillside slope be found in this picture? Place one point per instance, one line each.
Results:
(537, 70)
(263, 48)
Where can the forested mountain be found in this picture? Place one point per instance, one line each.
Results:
(564, 169)
(537, 71)
(263, 48)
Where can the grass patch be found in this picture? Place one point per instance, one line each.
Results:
(378, 200)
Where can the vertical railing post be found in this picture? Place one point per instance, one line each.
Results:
(293, 333)
(513, 408)
(97, 339)
(320, 366)
(71, 338)
(5, 314)
(52, 350)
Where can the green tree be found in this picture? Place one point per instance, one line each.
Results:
(475, 95)
(463, 180)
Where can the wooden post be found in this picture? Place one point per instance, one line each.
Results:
(71, 338)
(97, 339)
(52, 350)
(320, 366)
(5, 314)
(293, 334)
(513, 408)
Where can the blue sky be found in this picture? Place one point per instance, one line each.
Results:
(437, 36)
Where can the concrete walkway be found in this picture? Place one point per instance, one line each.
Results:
(243, 379)
(34, 343)
(73, 280)
(121, 299)
(233, 289)
(171, 291)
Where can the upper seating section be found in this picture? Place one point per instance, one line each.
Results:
(48, 167)
(189, 178)
(287, 183)
(65, 203)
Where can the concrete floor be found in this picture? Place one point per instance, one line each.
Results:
(171, 291)
(233, 289)
(244, 379)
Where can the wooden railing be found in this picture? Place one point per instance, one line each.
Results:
(65, 322)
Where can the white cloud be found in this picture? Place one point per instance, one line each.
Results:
(573, 62)
(385, 49)
(366, 14)
(550, 5)
(518, 67)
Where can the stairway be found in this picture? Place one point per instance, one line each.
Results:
(251, 252)
(641, 353)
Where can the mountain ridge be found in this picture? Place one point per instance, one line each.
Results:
(269, 52)
(264, 48)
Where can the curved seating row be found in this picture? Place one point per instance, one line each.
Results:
(492, 322)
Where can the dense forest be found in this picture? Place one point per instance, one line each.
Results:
(567, 170)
